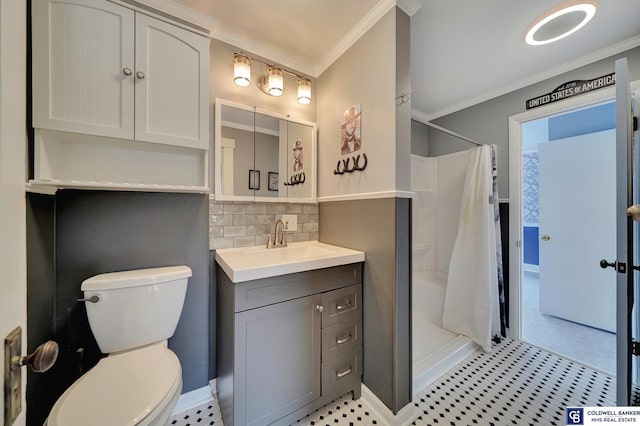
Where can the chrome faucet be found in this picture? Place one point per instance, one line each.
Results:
(279, 240)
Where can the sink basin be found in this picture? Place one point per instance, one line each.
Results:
(252, 263)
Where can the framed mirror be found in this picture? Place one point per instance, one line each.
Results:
(263, 156)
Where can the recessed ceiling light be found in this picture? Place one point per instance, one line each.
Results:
(560, 21)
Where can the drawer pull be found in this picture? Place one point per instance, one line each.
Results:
(343, 373)
(342, 340)
(342, 307)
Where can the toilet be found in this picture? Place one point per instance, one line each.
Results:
(131, 318)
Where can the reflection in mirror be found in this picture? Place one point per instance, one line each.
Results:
(267, 141)
(263, 156)
(237, 139)
(299, 155)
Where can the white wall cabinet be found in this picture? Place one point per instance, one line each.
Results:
(105, 70)
(136, 84)
(172, 84)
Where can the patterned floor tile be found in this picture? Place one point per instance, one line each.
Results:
(515, 384)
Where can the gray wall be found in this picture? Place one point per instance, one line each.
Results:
(380, 228)
(41, 388)
(95, 232)
(488, 122)
(265, 159)
(419, 139)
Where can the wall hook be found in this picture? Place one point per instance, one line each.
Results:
(356, 160)
(346, 165)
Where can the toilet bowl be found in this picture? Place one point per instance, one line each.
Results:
(140, 381)
(129, 388)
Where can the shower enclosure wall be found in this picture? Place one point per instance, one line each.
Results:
(437, 183)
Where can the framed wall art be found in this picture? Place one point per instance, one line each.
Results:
(254, 179)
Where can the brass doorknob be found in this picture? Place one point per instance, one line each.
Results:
(41, 359)
(545, 238)
(634, 212)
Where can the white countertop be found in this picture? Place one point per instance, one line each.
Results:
(252, 263)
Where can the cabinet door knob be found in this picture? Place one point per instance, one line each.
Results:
(140, 75)
(127, 71)
(319, 308)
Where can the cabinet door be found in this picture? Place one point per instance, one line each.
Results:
(172, 84)
(82, 51)
(277, 362)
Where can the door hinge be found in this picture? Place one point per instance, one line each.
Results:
(635, 123)
(635, 348)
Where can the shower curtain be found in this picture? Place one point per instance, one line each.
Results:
(472, 301)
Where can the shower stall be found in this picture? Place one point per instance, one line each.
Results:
(437, 183)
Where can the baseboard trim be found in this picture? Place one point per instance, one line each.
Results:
(404, 417)
(193, 399)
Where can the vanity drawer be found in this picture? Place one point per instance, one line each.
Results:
(341, 337)
(340, 305)
(266, 291)
(342, 371)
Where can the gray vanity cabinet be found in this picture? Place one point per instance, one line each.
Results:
(279, 348)
(288, 345)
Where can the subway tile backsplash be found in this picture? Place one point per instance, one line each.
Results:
(243, 224)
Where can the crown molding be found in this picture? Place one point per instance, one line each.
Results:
(598, 55)
(186, 13)
(181, 11)
(270, 55)
(410, 7)
(356, 32)
(313, 70)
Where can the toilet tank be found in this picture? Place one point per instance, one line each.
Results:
(135, 308)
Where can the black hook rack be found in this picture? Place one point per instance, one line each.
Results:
(296, 179)
(346, 168)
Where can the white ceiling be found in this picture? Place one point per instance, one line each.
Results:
(462, 51)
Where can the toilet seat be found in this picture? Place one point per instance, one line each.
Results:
(128, 388)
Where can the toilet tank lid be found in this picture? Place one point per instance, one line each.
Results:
(134, 278)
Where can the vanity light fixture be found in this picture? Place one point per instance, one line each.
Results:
(304, 91)
(273, 82)
(241, 70)
(560, 21)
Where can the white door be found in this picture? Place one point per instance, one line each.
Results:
(13, 287)
(172, 84)
(577, 198)
(83, 62)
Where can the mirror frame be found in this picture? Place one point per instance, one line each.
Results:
(217, 159)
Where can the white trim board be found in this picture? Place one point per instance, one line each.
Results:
(405, 416)
(368, 196)
(515, 188)
(598, 55)
(195, 398)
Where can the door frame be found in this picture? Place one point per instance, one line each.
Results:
(515, 189)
